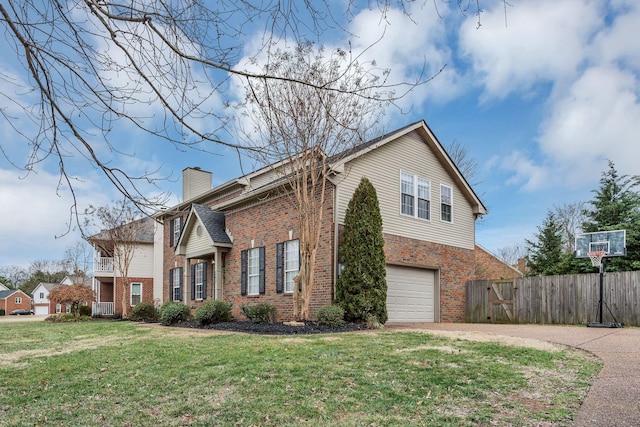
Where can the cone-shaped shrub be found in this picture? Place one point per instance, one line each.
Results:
(361, 289)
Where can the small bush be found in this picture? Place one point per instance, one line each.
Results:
(173, 312)
(84, 310)
(213, 312)
(262, 312)
(2, 312)
(144, 311)
(331, 315)
(116, 316)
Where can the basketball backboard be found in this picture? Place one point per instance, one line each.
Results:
(614, 243)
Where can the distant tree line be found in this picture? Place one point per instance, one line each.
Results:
(77, 261)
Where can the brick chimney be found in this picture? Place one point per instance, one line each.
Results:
(195, 181)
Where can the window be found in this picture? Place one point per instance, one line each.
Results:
(252, 271)
(136, 293)
(199, 281)
(406, 191)
(41, 295)
(175, 283)
(18, 300)
(446, 203)
(424, 197)
(67, 308)
(291, 263)
(175, 226)
(58, 308)
(413, 187)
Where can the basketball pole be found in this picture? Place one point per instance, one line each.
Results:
(600, 323)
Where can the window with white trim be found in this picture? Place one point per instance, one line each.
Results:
(41, 295)
(415, 196)
(199, 280)
(253, 271)
(175, 279)
(424, 198)
(18, 300)
(446, 203)
(291, 263)
(58, 308)
(136, 293)
(67, 308)
(406, 193)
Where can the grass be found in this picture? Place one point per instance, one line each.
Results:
(123, 374)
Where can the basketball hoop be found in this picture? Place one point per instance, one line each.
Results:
(596, 257)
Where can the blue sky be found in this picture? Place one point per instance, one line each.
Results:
(540, 103)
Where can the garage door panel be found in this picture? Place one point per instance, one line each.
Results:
(41, 310)
(410, 294)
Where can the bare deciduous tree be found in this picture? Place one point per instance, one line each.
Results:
(300, 129)
(78, 259)
(122, 230)
(161, 67)
(511, 254)
(570, 216)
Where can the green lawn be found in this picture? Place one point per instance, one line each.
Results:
(123, 374)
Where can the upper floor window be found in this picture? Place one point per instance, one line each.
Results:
(18, 300)
(415, 196)
(136, 293)
(175, 226)
(41, 295)
(446, 203)
(407, 193)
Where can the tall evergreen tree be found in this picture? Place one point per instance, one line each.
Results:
(546, 252)
(616, 206)
(361, 289)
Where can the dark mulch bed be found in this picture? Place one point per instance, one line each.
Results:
(277, 328)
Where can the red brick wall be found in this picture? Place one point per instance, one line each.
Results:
(147, 292)
(489, 267)
(9, 304)
(455, 266)
(267, 224)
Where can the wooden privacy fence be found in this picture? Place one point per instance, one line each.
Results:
(568, 299)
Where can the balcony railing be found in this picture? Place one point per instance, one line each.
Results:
(103, 265)
(102, 309)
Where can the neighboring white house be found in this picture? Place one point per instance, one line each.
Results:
(41, 303)
(3, 287)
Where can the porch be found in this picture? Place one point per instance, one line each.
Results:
(102, 309)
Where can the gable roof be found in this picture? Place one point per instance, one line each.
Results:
(6, 294)
(337, 163)
(143, 233)
(213, 222)
(47, 286)
(3, 287)
(430, 139)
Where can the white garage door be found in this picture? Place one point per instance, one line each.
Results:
(41, 309)
(410, 294)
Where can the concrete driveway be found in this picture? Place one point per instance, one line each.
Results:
(614, 397)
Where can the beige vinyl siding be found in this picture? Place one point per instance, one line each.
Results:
(198, 244)
(382, 167)
(141, 262)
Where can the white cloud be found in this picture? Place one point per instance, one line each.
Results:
(35, 216)
(596, 119)
(523, 171)
(544, 41)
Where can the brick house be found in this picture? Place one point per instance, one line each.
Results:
(14, 299)
(490, 267)
(239, 241)
(108, 281)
